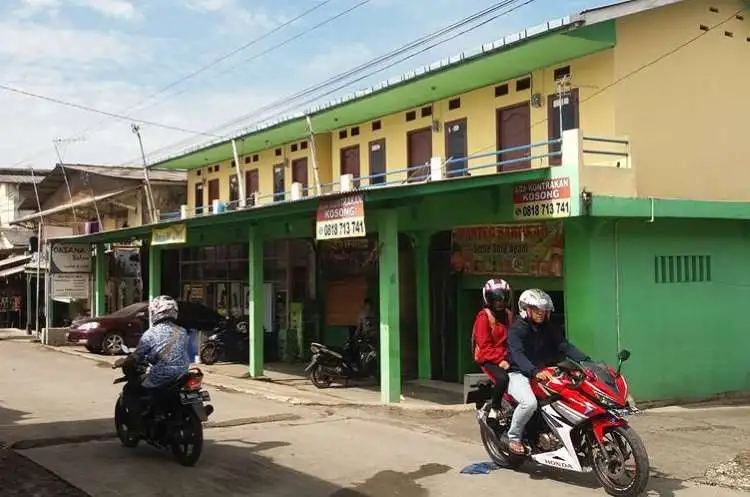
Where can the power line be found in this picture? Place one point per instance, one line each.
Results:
(287, 101)
(200, 70)
(86, 108)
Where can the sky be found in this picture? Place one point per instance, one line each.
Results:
(117, 55)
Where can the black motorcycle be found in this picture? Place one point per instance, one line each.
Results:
(217, 344)
(172, 418)
(357, 360)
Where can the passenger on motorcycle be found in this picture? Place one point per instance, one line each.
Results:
(489, 337)
(533, 344)
(165, 346)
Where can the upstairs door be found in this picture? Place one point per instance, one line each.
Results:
(350, 163)
(419, 153)
(213, 193)
(252, 186)
(514, 133)
(456, 147)
(377, 162)
(299, 173)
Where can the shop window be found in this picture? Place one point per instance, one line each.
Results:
(562, 115)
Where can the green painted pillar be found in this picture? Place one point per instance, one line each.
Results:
(154, 271)
(422, 269)
(100, 281)
(257, 302)
(390, 336)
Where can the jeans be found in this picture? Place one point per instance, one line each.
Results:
(499, 378)
(520, 389)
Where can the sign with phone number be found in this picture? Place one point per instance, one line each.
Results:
(546, 199)
(342, 217)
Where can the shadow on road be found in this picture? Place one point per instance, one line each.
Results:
(395, 483)
(10, 417)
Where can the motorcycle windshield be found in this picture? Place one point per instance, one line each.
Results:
(602, 373)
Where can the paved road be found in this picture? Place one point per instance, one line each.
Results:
(321, 454)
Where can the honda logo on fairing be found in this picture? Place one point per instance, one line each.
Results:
(556, 462)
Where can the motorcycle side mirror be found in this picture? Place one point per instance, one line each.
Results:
(622, 356)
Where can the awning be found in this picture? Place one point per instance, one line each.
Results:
(78, 203)
(16, 259)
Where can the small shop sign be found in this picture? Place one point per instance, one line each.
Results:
(171, 235)
(546, 199)
(74, 286)
(70, 258)
(342, 217)
(503, 250)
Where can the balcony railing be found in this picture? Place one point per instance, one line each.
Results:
(606, 151)
(504, 161)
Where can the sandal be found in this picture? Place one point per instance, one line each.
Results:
(516, 448)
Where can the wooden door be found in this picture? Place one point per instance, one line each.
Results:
(456, 147)
(213, 193)
(199, 198)
(514, 130)
(252, 185)
(350, 163)
(562, 115)
(377, 162)
(299, 173)
(419, 153)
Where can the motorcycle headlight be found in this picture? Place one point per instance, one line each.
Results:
(88, 326)
(607, 402)
(214, 336)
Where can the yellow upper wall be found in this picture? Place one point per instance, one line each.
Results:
(686, 115)
(478, 107)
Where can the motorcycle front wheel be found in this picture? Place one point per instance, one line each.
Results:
(121, 425)
(187, 443)
(209, 354)
(319, 378)
(622, 444)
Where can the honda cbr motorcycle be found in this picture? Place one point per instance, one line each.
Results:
(215, 346)
(172, 418)
(357, 360)
(580, 425)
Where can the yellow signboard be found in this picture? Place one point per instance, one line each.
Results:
(170, 235)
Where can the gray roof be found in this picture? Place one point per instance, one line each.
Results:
(21, 175)
(128, 172)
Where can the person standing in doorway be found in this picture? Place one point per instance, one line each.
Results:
(489, 338)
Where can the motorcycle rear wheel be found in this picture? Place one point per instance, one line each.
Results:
(319, 378)
(209, 354)
(498, 454)
(187, 444)
(121, 425)
(605, 473)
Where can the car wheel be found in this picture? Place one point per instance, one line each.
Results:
(112, 344)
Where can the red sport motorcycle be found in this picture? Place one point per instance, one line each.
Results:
(579, 426)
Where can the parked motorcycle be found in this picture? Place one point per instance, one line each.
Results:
(216, 345)
(172, 419)
(357, 360)
(579, 426)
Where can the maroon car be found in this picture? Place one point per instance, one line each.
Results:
(107, 334)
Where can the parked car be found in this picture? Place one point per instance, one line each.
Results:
(106, 334)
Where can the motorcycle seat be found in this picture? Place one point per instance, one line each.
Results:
(328, 350)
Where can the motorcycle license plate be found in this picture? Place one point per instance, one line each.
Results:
(194, 397)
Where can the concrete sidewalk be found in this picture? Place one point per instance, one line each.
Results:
(288, 388)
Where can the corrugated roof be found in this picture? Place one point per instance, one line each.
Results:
(127, 172)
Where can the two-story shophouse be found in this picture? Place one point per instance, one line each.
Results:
(599, 156)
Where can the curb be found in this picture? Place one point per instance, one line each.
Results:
(296, 400)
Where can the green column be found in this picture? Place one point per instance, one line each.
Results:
(257, 301)
(422, 263)
(390, 339)
(154, 271)
(100, 280)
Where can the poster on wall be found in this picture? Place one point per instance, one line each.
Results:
(70, 286)
(70, 258)
(342, 217)
(531, 249)
(545, 199)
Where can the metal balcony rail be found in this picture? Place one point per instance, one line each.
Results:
(606, 147)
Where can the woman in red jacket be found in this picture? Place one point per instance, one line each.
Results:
(490, 334)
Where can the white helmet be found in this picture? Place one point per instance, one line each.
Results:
(537, 298)
(163, 307)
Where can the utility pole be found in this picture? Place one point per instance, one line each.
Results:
(149, 195)
(57, 142)
(314, 154)
(39, 246)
